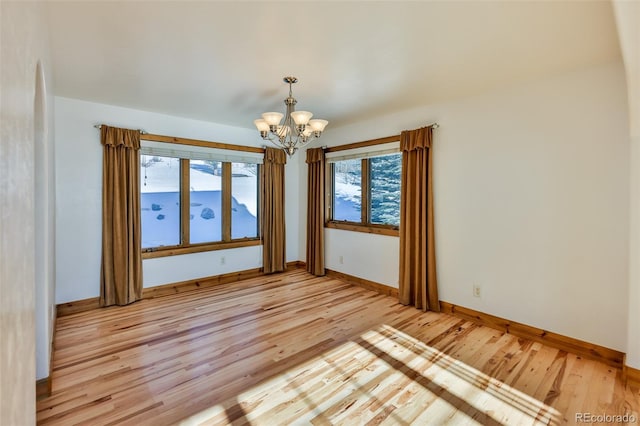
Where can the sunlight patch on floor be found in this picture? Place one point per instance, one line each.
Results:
(388, 377)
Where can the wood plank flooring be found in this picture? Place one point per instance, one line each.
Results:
(297, 349)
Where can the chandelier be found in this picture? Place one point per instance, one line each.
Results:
(296, 131)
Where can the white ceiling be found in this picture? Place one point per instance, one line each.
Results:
(224, 61)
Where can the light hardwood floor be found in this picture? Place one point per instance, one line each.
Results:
(296, 349)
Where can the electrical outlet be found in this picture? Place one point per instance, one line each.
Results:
(476, 290)
(341, 260)
(223, 260)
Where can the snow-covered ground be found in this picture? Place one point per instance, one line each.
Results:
(347, 191)
(164, 176)
(347, 198)
(160, 201)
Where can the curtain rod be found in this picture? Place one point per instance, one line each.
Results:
(371, 142)
(142, 132)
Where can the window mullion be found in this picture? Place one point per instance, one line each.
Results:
(260, 201)
(330, 178)
(185, 202)
(226, 201)
(365, 209)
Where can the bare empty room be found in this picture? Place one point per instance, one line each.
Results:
(322, 212)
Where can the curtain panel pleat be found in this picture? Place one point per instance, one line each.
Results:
(418, 283)
(273, 226)
(315, 211)
(121, 268)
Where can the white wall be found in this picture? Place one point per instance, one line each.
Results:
(171, 269)
(372, 257)
(531, 203)
(44, 220)
(627, 15)
(24, 43)
(79, 199)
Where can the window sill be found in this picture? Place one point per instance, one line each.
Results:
(369, 229)
(175, 251)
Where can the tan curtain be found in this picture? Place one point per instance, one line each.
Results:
(315, 211)
(418, 284)
(273, 229)
(121, 272)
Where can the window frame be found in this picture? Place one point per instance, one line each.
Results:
(365, 224)
(185, 247)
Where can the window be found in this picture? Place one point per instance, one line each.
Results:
(205, 199)
(191, 204)
(347, 190)
(244, 200)
(365, 192)
(160, 201)
(384, 178)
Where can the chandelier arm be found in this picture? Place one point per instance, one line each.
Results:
(297, 140)
(275, 140)
(284, 144)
